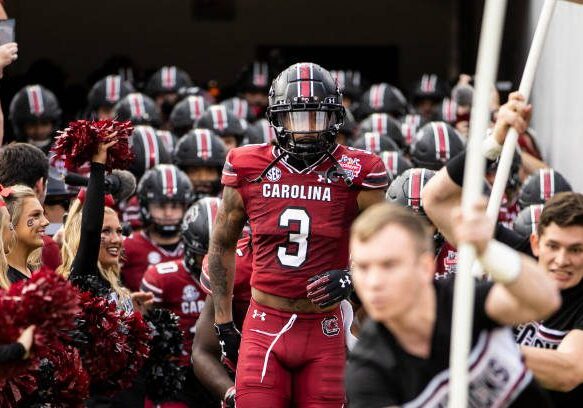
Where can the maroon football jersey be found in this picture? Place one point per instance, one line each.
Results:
(300, 220)
(139, 253)
(175, 289)
(242, 284)
(508, 212)
(446, 261)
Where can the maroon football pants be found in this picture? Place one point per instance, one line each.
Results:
(288, 359)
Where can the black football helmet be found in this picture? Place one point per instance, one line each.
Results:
(222, 122)
(149, 150)
(168, 138)
(384, 124)
(374, 142)
(139, 109)
(261, 132)
(240, 107)
(162, 184)
(514, 177)
(33, 104)
(526, 222)
(395, 163)
(198, 148)
(167, 79)
(107, 92)
(186, 113)
(542, 185)
(429, 86)
(254, 77)
(435, 143)
(349, 82)
(304, 100)
(384, 98)
(196, 230)
(406, 189)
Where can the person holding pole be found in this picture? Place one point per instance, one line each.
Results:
(553, 348)
(402, 356)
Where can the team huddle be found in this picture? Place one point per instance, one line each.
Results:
(304, 234)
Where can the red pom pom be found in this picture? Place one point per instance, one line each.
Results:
(78, 143)
(117, 346)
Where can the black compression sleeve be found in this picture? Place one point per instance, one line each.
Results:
(11, 352)
(513, 240)
(456, 166)
(85, 262)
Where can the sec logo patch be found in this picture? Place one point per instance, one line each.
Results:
(154, 258)
(274, 174)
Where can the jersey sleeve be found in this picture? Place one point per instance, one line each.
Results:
(481, 318)
(230, 178)
(375, 174)
(151, 282)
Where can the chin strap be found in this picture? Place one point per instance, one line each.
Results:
(259, 178)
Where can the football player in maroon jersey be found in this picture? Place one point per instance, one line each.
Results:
(164, 193)
(300, 197)
(176, 286)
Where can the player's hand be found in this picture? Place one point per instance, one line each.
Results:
(229, 340)
(229, 398)
(8, 54)
(330, 287)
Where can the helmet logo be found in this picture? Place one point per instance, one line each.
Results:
(351, 166)
(274, 174)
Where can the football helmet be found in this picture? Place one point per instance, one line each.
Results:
(33, 104)
(542, 185)
(139, 109)
(168, 79)
(435, 143)
(526, 222)
(384, 124)
(395, 163)
(161, 184)
(107, 92)
(384, 98)
(304, 100)
(196, 230)
(149, 150)
(186, 113)
(222, 122)
(406, 189)
(374, 142)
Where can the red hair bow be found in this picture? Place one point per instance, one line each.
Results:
(4, 193)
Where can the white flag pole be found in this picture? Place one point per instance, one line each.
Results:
(486, 70)
(525, 87)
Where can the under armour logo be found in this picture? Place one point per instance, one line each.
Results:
(260, 315)
(345, 281)
(222, 344)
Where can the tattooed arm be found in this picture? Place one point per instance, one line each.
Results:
(221, 255)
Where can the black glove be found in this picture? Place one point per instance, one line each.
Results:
(330, 287)
(229, 340)
(229, 398)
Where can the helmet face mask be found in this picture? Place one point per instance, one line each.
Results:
(305, 108)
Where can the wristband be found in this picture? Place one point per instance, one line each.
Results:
(491, 149)
(501, 262)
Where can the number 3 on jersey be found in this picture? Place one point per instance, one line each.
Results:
(295, 250)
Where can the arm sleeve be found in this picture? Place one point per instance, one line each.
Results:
(481, 318)
(513, 240)
(375, 177)
(85, 262)
(11, 352)
(150, 283)
(456, 167)
(229, 176)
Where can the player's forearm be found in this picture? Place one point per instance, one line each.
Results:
(211, 372)
(221, 266)
(553, 369)
(531, 164)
